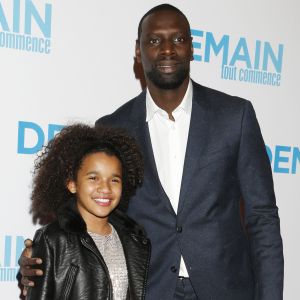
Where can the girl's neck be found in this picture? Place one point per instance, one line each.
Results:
(104, 229)
(94, 223)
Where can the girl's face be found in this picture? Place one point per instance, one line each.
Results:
(98, 188)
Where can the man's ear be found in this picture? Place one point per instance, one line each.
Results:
(71, 185)
(138, 51)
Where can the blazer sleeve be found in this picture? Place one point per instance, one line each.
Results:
(44, 285)
(261, 212)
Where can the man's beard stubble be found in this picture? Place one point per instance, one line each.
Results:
(168, 81)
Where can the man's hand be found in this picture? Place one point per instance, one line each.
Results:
(25, 263)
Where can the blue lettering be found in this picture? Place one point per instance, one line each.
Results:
(47, 46)
(7, 251)
(19, 248)
(21, 137)
(8, 239)
(296, 157)
(241, 46)
(258, 60)
(3, 20)
(24, 127)
(53, 129)
(257, 55)
(269, 152)
(281, 159)
(197, 45)
(31, 11)
(16, 16)
(268, 52)
(211, 43)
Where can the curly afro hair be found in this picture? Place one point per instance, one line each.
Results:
(59, 162)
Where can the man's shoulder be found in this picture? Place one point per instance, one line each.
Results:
(217, 98)
(121, 116)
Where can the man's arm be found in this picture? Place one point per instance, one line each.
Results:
(45, 286)
(261, 212)
(26, 262)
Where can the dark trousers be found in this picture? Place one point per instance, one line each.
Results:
(184, 290)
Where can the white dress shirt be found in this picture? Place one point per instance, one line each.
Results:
(169, 140)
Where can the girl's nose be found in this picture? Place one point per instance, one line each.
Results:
(103, 187)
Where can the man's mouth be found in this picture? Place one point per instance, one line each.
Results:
(167, 67)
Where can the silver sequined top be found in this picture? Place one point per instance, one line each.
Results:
(111, 249)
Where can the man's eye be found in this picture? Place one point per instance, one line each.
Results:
(179, 39)
(154, 41)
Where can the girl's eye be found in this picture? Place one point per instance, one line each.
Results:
(116, 180)
(92, 178)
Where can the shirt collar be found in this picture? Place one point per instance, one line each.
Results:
(185, 105)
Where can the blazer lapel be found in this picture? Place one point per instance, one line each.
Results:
(142, 134)
(197, 140)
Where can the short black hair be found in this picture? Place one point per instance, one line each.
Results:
(157, 8)
(60, 160)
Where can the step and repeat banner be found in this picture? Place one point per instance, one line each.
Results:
(68, 61)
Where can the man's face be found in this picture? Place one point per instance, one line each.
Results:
(165, 49)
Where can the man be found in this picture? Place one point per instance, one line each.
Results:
(203, 153)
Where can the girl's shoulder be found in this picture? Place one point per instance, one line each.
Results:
(50, 232)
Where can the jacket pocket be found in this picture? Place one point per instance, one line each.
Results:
(69, 281)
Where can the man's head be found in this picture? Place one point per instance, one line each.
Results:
(164, 46)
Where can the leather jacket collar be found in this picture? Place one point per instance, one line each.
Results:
(71, 221)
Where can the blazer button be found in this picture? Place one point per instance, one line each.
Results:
(145, 242)
(173, 269)
(179, 229)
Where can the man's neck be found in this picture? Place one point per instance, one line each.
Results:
(168, 100)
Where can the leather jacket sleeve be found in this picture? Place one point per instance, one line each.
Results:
(42, 289)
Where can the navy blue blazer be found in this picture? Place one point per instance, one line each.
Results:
(225, 162)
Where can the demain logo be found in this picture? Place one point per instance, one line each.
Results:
(284, 159)
(10, 251)
(256, 62)
(32, 136)
(18, 18)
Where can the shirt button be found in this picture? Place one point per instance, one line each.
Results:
(179, 229)
(173, 269)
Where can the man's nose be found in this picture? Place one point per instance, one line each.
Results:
(167, 47)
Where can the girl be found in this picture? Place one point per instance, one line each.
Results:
(91, 249)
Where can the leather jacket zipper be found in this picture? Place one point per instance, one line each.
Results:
(147, 271)
(91, 248)
(69, 282)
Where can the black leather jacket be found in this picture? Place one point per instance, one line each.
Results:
(74, 268)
